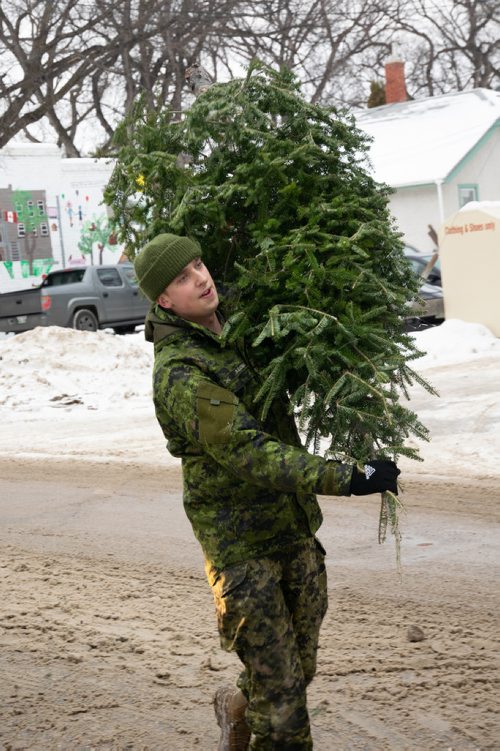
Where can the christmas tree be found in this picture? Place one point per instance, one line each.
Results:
(278, 193)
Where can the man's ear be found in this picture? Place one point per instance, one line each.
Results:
(164, 301)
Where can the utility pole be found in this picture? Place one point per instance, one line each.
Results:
(63, 257)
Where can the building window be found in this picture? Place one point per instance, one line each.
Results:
(21, 230)
(31, 208)
(19, 210)
(14, 251)
(44, 230)
(467, 193)
(41, 208)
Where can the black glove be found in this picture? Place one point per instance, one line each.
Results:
(378, 475)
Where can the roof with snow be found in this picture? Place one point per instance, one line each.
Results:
(24, 148)
(422, 141)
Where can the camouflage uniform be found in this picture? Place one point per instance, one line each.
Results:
(249, 493)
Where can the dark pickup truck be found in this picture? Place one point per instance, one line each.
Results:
(84, 298)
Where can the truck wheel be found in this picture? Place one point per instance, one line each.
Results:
(85, 320)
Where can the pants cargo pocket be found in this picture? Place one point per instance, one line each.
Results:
(225, 588)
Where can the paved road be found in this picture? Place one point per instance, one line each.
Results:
(109, 640)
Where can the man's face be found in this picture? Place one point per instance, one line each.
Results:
(192, 294)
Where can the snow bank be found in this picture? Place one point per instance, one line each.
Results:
(57, 367)
(454, 342)
(87, 396)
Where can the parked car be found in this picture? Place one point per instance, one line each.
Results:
(85, 298)
(419, 262)
(431, 308)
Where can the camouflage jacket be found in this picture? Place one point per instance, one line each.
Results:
(248, 485)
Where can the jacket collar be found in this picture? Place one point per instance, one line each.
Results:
(162, 324)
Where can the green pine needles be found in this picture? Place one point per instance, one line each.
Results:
(300, 237)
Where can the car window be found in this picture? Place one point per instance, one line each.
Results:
(417, 265)
(130, 276)
(57, 278)
(109, 277)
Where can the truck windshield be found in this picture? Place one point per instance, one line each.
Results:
(63, 277)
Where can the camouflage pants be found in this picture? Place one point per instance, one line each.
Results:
(269, 611)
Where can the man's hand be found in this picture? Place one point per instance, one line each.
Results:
(378, 475)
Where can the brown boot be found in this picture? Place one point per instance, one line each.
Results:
(230, 705)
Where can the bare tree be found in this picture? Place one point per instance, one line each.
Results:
(70, 60)
(448, 46)
(181, 33)
(332, 45)
(77, 67)
(45, 46)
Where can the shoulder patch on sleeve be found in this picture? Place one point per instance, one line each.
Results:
(215, 407)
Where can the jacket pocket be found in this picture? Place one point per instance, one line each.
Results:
(215, 407)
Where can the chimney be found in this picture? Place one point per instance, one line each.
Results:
(395, 84)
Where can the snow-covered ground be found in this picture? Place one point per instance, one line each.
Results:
(462, 362)
(66, 394)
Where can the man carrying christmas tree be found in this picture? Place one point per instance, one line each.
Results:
(249, 493)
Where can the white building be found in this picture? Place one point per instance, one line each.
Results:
(437, 153)
(73, 193)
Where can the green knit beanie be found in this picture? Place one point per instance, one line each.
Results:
(161, 260)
